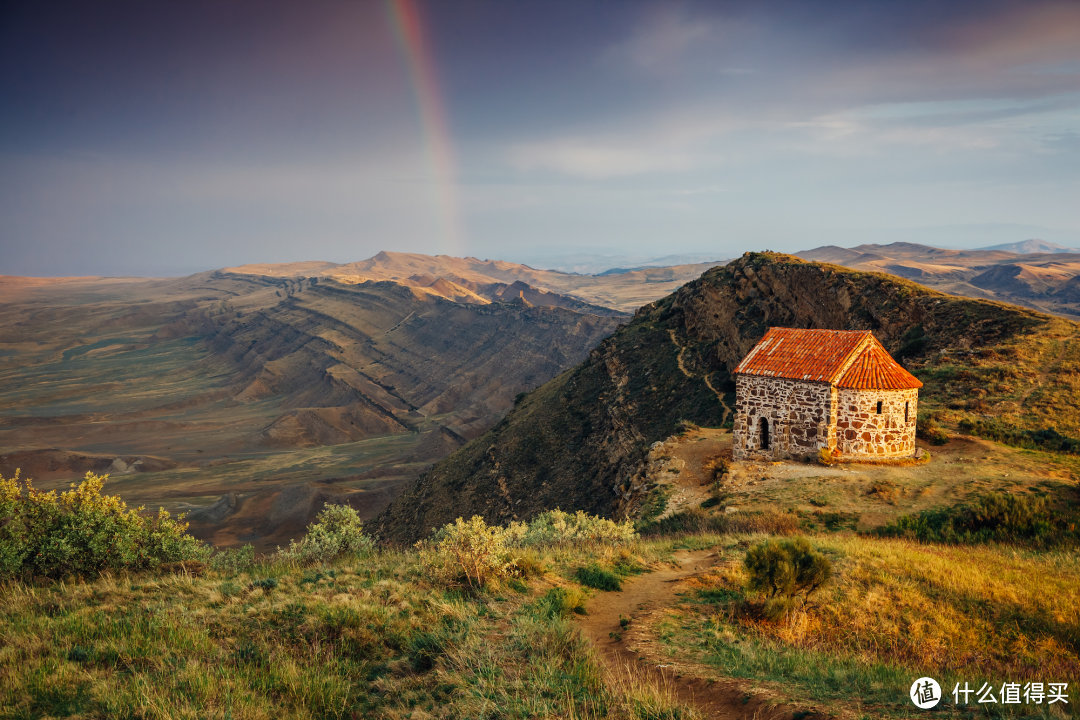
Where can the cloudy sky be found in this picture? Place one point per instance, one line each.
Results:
(168, 137)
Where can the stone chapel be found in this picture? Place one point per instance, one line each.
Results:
(798, 391)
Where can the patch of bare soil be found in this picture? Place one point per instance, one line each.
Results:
(632, 650)
(694, 454)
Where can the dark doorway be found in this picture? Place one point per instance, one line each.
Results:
(763, 433)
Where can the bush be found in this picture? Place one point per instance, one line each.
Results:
(232, 561)
(470, 553)
(993, 517)
(556, 527)
(824, 456)
(337, 532)
(786, 569)
(82, 532)
(928, 429)
(598, 578)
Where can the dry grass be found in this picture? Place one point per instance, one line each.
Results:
(896, 610)
(354, 640)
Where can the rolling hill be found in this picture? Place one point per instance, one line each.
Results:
(581, 440)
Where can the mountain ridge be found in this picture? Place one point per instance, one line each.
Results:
(580, 441)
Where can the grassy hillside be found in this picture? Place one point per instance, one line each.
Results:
(580, 440)
(375, 637)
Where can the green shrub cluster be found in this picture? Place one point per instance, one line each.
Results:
(784, 571)
(993, 517)
(336, 533)
(471, 552)
(82, 532)
(556, 527)
(1042, 439)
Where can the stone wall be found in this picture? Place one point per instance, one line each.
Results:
(798, 413)
(862, 431)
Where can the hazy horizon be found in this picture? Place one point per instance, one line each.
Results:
(165, 139)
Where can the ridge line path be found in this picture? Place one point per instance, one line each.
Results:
(687, 373)
(715, 698)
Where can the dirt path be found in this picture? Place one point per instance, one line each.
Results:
(633, 650)
(687, 373)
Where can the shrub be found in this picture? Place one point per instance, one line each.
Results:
(556, 527)
(471, 551)
(824, 456)
(787, 569)
(993, 517)
(82, 532)
(337, 532)
(928, 429)
(232, 561)
(598, 578)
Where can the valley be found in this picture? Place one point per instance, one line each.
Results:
(258, 391)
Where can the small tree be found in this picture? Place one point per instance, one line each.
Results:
(785, 570)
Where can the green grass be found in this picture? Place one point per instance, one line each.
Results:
(359, 639)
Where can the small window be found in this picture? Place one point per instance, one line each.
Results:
(878, 407)
(764, 434)
(907, 407)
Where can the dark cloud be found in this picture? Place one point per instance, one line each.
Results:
(173, 134)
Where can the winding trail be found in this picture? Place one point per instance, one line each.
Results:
(630, 651)
(687, 373)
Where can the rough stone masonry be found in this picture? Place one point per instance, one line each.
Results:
(799, 391)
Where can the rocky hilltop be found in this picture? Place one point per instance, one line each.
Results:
(581, 440)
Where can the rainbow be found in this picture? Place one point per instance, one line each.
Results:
(409, 30)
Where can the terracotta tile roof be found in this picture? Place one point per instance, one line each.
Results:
(845, 358)
(874, 369)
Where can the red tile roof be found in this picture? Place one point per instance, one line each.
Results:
(843, 358)
(874, 369)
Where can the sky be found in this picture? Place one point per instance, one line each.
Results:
(171, 137)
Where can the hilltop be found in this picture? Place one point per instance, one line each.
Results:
(581, 440)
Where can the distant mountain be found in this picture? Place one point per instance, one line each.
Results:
(594, 264)
(1028, 247)
(1030, 273)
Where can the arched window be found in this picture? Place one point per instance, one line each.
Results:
(878, 407)
(763, 434)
